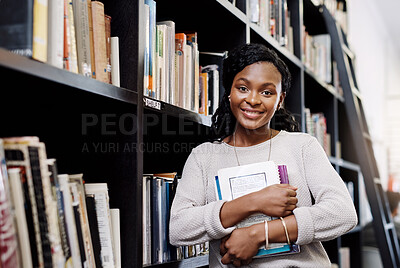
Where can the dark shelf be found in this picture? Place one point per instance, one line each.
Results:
(165, 108)
(49, 73)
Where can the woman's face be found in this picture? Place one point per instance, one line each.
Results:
(255, 95)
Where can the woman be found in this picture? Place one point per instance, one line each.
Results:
(256, 83)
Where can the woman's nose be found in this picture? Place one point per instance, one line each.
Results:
(253, 98)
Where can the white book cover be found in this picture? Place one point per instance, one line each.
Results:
(114, 56)
(170, 76)
(116, 234)
(100, 192)
(17, 196)
(73, 58)
(55, 46)
(146, 221)
(234, 182)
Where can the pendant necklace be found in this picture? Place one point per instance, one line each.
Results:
(234, 146)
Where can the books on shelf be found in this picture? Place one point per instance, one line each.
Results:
(158, 193)
(316, 126)
(273, 17)
(62, 34)
(45, 219)
(173, 72)
(234, 182)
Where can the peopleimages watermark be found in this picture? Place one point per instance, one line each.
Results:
(126, 124)
(132, 147)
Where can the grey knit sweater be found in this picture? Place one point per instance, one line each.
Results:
(195, 210)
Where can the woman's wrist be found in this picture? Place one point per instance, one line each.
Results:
(257, 233)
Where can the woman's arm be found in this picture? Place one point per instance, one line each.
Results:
(192, 220)
(277, 200)
(243, 243)
(333, 213)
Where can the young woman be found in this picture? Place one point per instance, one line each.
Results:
(256, 83)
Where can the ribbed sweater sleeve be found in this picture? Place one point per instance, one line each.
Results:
(194, 221)
(333, 213)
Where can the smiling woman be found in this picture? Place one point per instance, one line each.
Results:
(251, 126)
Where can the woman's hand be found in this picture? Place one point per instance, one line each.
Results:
(278, 200)
(242, 245)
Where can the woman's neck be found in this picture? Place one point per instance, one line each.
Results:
(245, 137)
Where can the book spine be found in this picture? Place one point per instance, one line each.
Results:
(107, 21)
(81, 19)
(75, 260)
(40, 27)
(99, 41)
(114, 57)
(40, 202)
(91, 45)
(8, 235)
(22, 227)
(52, 166)
(17, 157)
(116, 234)
(94, 228)
(66, 37)
(55, 33)
(17, 36)
(73, 57)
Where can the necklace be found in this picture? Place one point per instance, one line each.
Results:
(234, 146)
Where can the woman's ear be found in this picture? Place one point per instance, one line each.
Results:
(281, 100)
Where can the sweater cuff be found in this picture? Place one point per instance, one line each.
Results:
(305, 225)
(212, 221)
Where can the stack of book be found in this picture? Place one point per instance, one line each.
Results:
(172, 69)
(274, 17)
(316, 126)
(317, 55)
(71, 34)
(51, 219)
(158, 193)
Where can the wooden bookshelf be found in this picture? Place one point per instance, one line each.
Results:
(60, 107)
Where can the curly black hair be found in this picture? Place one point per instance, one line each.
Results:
(223, 121)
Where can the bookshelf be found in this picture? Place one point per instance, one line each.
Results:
(115, 134)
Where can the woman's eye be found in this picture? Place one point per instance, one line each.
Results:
(266, 93)
(242, 89)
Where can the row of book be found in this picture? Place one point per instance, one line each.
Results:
(70, 34)
(158, 193)
(274, 17)
(316, 126)
(317, 55)
(50, 219)
(172, 69)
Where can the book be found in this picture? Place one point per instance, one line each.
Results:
(234, 182)
(116, 234)
(100, 192)
(99, 41)
(53, 173)
(17, 156)
(94, 228)
(16, 31)
(81, 19)
(114, 58)
(107, 23)
(73, 57)
(70, 223)
(8, 235)
(78, 191)
(55, 38)
(17, 195)
(40, 28)
(152, 36)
